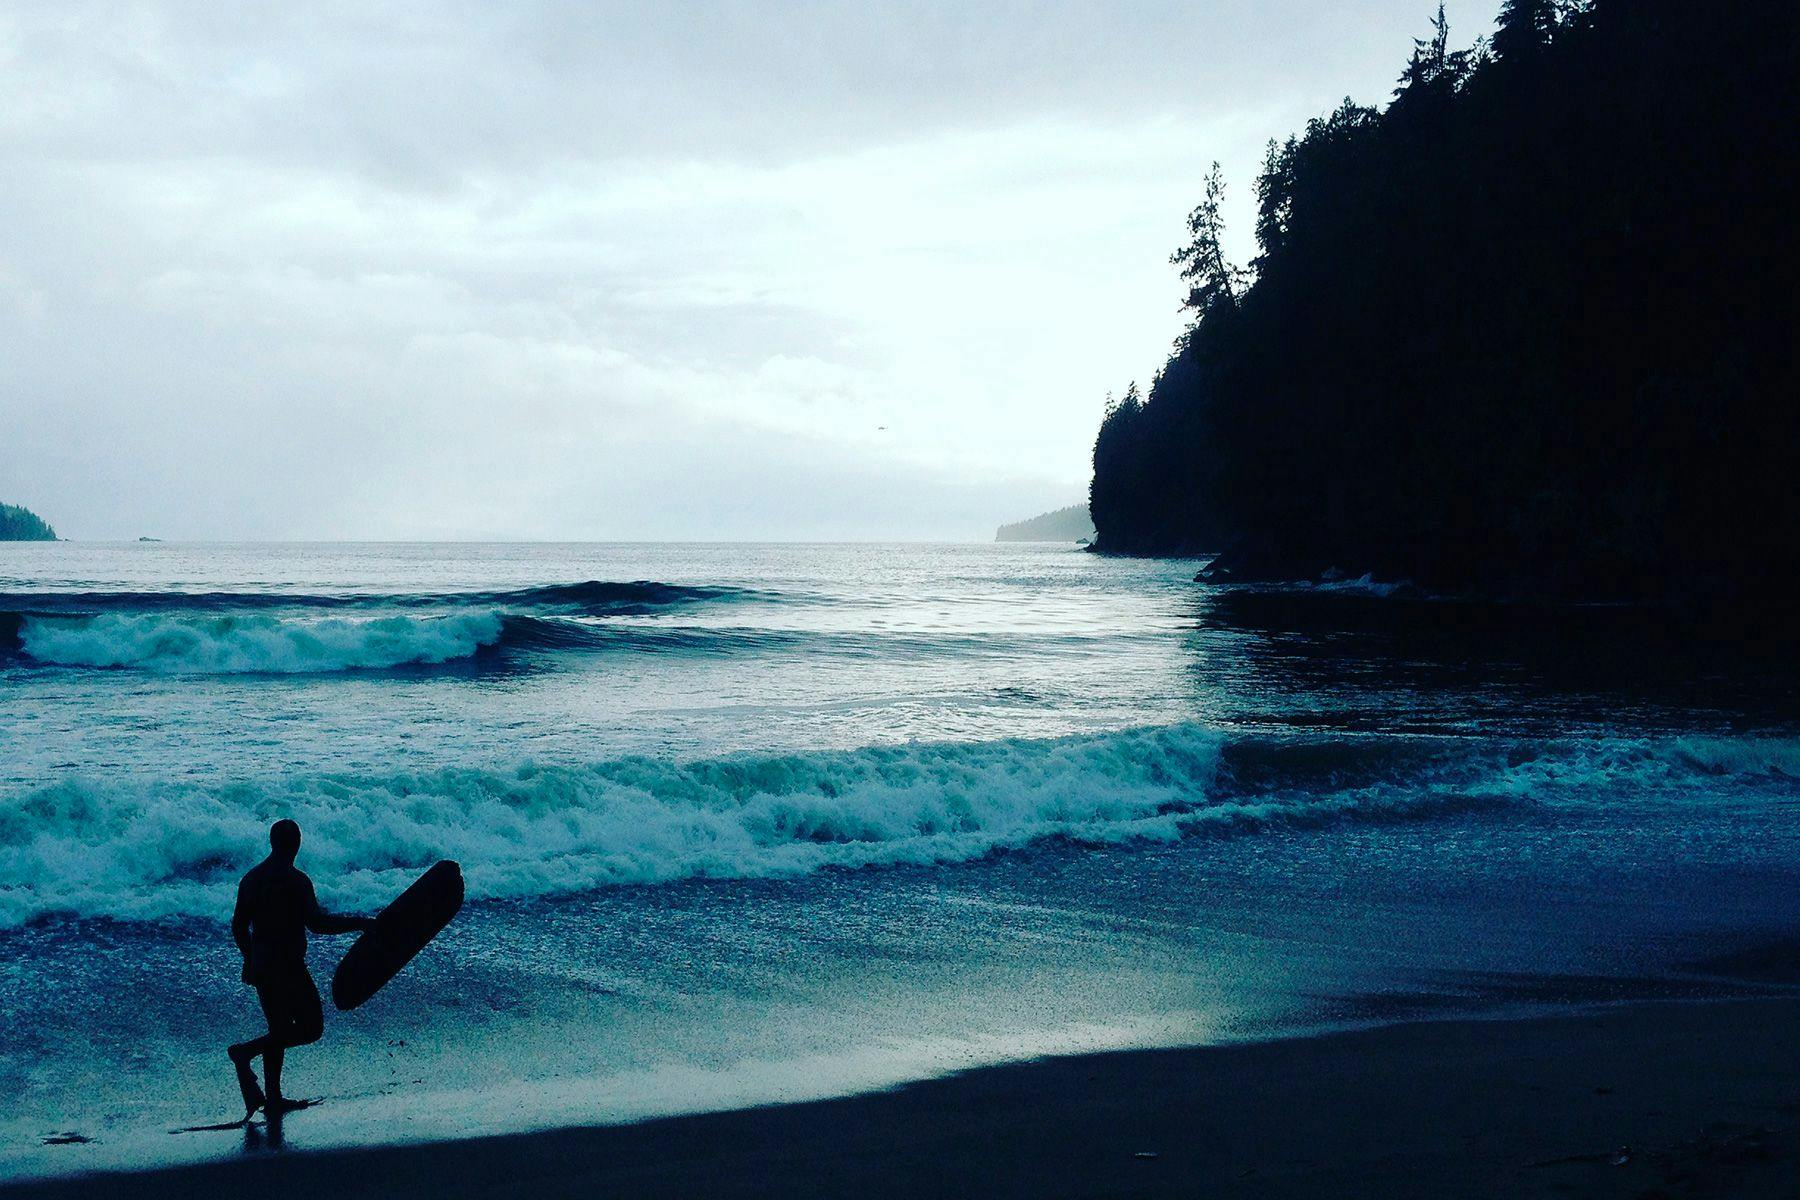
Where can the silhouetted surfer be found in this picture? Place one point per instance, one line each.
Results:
(276, 905)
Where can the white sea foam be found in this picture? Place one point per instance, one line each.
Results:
(213, 644)
(146, 851)
(136, 850)
(1775, 757)
(167, 848)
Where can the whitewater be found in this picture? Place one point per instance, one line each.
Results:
(728, 813)
(166, 849)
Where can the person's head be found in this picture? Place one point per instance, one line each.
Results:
(284, 838)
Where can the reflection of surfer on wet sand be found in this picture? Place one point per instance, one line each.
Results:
(276, 905)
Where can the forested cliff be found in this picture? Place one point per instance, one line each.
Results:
(1531, 328)
(22, 525)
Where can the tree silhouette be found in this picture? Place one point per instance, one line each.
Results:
(22, 525)
(1524, 28)
(1531, 328)
(1430, 59)
(1210, 276)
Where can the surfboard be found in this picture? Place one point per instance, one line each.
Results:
(402, 929)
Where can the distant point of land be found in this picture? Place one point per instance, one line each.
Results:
(22, 525)
(1069, 524)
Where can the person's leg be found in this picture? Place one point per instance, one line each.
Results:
(290, 1004)
(304, 1022)
(243, 1052)
(272, 1059)
(248, 1088)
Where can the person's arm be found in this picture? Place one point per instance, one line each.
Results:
(320, 921)
(240, 926)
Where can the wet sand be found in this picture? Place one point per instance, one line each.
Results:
(1678, 1099)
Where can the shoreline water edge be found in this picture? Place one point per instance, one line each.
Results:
(1673, 1098)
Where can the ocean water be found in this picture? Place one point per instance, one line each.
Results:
(750, 823)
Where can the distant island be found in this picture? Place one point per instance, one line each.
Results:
(22, 525)
(1528, 331)
(1069, 524)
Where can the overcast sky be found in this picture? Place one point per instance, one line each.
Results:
(594, 270)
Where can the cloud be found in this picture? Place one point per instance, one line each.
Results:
(609, 270)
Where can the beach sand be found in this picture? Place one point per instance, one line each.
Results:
(1676, 1099)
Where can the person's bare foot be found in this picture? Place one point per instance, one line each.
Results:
(278, 1105)
(246, 1078)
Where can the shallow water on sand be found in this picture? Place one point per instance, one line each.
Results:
(753, 823)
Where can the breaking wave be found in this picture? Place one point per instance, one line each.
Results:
(144, 851)
(224, 645)
(594, 598)
(160, 849)
(278, 633)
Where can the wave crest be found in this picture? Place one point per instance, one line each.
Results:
(594, 597)
(284, 633)
(253, 642)
(137, 850)
(168, 849)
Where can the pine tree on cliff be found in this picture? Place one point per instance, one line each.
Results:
(1210, 276)
(1430, 58)
(1116, 485)
(1524, 29)
(1274, 199)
